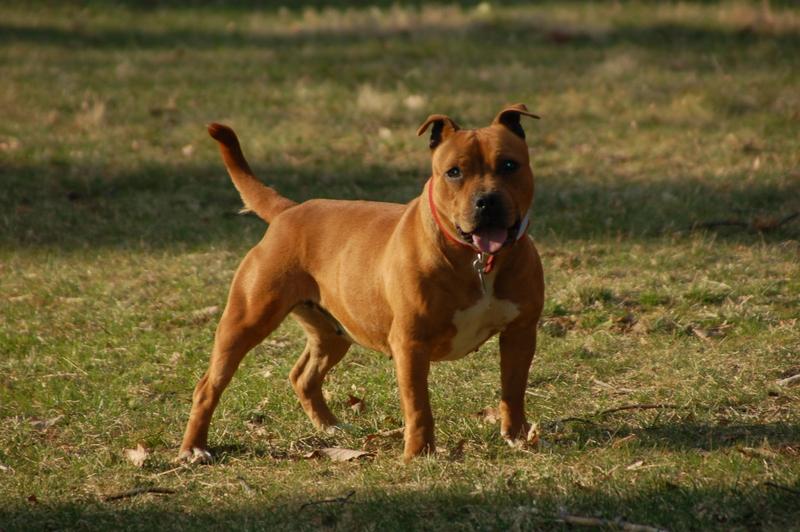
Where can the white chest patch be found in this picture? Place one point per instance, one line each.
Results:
(474, 325)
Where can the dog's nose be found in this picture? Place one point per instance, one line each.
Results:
(487, 202)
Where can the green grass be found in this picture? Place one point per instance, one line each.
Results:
(118, 231)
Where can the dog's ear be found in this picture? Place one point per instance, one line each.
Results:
(442, 127)
(509, 117)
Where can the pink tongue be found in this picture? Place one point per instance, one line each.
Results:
(489, 240)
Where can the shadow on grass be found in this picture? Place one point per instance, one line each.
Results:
(521, 505)
(187, 206)
(663, 36)
(299, 5)
(686, 436)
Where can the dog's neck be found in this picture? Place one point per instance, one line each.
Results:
(462, 257)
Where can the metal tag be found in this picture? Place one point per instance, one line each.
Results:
(479, 264)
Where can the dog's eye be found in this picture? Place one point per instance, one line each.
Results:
(454, 172)
(507, 166)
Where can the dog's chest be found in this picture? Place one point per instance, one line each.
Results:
(478, 322)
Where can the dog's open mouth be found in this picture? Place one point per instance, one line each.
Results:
(490, 239)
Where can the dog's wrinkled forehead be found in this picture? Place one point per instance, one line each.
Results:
(443, 127)
(481, 147)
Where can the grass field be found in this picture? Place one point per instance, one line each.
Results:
(119, 237)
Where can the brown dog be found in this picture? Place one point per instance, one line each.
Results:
(423, 282)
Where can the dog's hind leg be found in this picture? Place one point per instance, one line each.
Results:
(256, 306)
(326, 345)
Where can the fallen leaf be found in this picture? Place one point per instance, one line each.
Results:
(711, 332)
(489, 415)
(10, 144)
(558, 326)
(206, 313)
(621, 441)
(33, 499)
(356, 404)
(457, 452)
(44, 424)
(789, 380)
(636, 465)
(247, 488)
(558, 36)
(279, 344)
(137, 456)
(6, 469)
(753, 452)
(532, 437)
(626, 322)
(337, 454)
(393, 433)
(175, 358)
(414, 102)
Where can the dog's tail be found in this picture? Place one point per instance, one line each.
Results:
(257, 197)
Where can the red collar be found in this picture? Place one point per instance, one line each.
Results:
(490, 261)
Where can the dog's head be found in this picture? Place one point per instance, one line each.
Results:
(482, 178)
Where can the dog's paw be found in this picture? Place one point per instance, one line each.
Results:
(526, 438)
(195, 456)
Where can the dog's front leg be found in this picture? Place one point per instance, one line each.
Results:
(517, 346)
(412, 365)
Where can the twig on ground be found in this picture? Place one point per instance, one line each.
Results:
(781, 487)
(168, 471)
(556, 422)
(617, 524)
(336, 500)
(717, 223)
(788, 218)
(138, 491)
(789, 380)
(757, 223)
(636, 407)
(602, 413)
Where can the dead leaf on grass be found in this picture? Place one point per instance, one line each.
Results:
(337, 454)
(625, 323)
(10, 144)
(489, 415)
(457, 452)
(44, 424)
(137, 456)
(71, 300)
(384, 434)
(634, 466)
(277, 344)
(708, 333)
(622, 441)
(205, 314)
(6, 469)
(789, 380)
(790, 450)
(533, 437)
(558, 326)
(754, 452)
(356, 405)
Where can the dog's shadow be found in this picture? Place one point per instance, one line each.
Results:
(683, 435)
